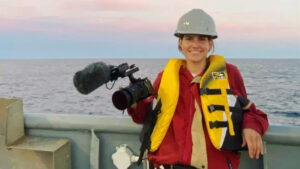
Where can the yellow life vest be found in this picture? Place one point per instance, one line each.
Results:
(222, 112)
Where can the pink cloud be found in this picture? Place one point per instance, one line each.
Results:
(132, 25)
(256, 32)
(227, 31)
(108, 5)
(30, 25)
(64, 26)
(11, 24)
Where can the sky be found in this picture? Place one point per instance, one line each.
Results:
(144, 28)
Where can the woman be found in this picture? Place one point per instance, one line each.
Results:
(205, 117)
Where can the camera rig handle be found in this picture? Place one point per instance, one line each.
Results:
(122, 71)
(129, 73)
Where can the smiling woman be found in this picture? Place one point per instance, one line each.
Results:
(204, 117)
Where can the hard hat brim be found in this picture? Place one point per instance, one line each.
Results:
(179, 35)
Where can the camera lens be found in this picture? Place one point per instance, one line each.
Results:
(139, 90)
(122, 99)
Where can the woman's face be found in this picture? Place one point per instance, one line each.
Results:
(195, 47)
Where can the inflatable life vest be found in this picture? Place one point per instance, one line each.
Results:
(222, 112)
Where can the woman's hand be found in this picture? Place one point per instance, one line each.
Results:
(253, 140)
(133, 106)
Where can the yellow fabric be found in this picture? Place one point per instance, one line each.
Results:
(169, 89)
(168, 93)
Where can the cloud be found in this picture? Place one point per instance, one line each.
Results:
(235, 20)
(248, 32)
(107, 5)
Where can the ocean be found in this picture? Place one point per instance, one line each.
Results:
(46, 86)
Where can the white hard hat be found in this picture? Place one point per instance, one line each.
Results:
(196, 21)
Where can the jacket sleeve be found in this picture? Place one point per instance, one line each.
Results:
(253, 117)
(138, 114)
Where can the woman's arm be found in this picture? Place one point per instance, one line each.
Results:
(255, 122)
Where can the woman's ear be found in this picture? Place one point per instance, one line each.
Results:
(179, 43)
(210, 43)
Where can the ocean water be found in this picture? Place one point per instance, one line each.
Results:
(46, 86)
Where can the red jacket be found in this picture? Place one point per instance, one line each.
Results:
(176, 147)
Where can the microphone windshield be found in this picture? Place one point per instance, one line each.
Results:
(91, 77)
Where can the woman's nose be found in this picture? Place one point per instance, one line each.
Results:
(196, 44)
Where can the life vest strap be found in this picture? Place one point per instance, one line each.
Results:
(148, 129)
(218, 124)
(213, 108)
(208, 91)
(229, 91)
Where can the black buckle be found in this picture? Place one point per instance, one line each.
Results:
(211, 108)
(218, 124)
(210, 91)
(203, 91)
(229, 91)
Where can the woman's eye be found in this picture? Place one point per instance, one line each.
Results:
(188, 38)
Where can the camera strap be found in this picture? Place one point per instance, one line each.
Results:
(148, 129)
